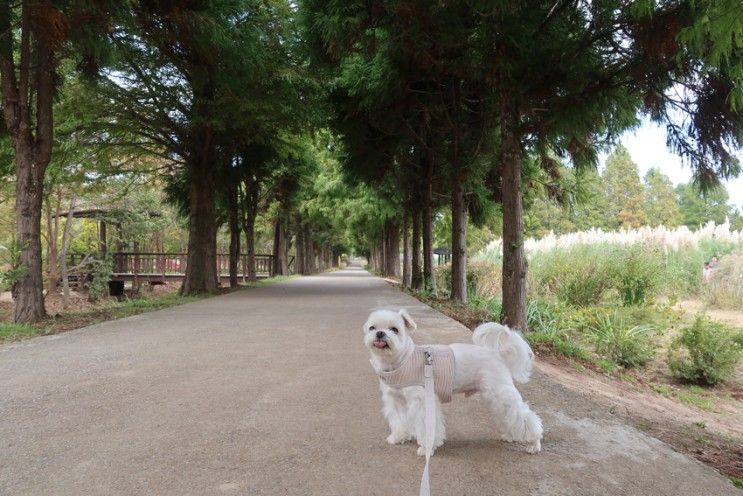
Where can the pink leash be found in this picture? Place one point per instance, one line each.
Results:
(429, 422)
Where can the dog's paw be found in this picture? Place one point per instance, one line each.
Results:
(397, 439)
(421, 451)
(534, 447)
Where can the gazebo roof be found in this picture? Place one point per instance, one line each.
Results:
(94, 213)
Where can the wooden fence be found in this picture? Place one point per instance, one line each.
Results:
(173, 265)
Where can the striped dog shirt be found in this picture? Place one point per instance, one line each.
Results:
(410, 371)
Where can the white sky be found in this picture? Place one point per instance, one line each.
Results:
(647, 146)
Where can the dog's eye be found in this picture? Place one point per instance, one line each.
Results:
(372, 328)
(394, 329)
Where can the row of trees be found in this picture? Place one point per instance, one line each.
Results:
(469, 103)
(210, 97)
(618, 198)
(467, 107)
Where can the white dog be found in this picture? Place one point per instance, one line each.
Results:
(498, 357)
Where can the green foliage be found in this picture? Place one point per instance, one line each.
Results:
(625, 345)
(638, 271)
(549, 327)
(661, 204)
(11, 269)
(624, 192)
(101, 271)
(698, 208)
(579, 276)
(704, 353)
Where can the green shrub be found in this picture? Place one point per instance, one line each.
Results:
(625, 345)
(443, 279)
(577, 275)
(98, 285)
(550, 327)
(10, 258)
(485, 278)
(557, 344)
(704, 353)
(493, 306)
(543, 317)
(638, 272)
(725, 289)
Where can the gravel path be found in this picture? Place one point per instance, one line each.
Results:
(268, 391)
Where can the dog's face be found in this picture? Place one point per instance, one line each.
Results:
(387, 332)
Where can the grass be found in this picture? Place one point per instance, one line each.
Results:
(625, 345)
(265, 282)
(13, 332)
(725, 289)
(691, 396)
(107, 310)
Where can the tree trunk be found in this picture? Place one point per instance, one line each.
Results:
(458, 241)
(392, 249)
(405, 250)
(250, 212)
(65, 247)
(514, 259)
(201, 262)
(52, 253)
(309, 251)
(429, 274)
(234, 235)
(416, 277)
(29, 93)
(299, 265)
(280, 267)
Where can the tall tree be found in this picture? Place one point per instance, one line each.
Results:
(28, 89)
(699, 207)
(190, 76)
(624, 191)
(661, 203)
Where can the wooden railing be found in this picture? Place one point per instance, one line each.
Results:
(174, 264)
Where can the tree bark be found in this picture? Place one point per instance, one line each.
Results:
(250, 212)
(458, 241)
(234, 235)
(514, 259)
(429, 274)
(52, 253)
(309, 251)
(392, 249)
(280, 267)
(405, 250)
(30, 92)
(65, 247)
(299, 265)
(416, 277)
(201, 262)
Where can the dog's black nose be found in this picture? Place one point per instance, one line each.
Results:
(380, 334)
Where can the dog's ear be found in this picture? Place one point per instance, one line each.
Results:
(410, 324)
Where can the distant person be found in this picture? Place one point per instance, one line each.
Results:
(713, 262)
(707, 273)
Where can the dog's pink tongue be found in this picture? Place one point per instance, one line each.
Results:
(380, 344)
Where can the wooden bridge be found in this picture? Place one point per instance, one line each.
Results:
(158, 268)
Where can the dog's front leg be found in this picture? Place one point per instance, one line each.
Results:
(394, 409)
(417, 419)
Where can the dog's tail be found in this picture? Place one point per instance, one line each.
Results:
(510, 345)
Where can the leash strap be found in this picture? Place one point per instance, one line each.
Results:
(429, 421)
